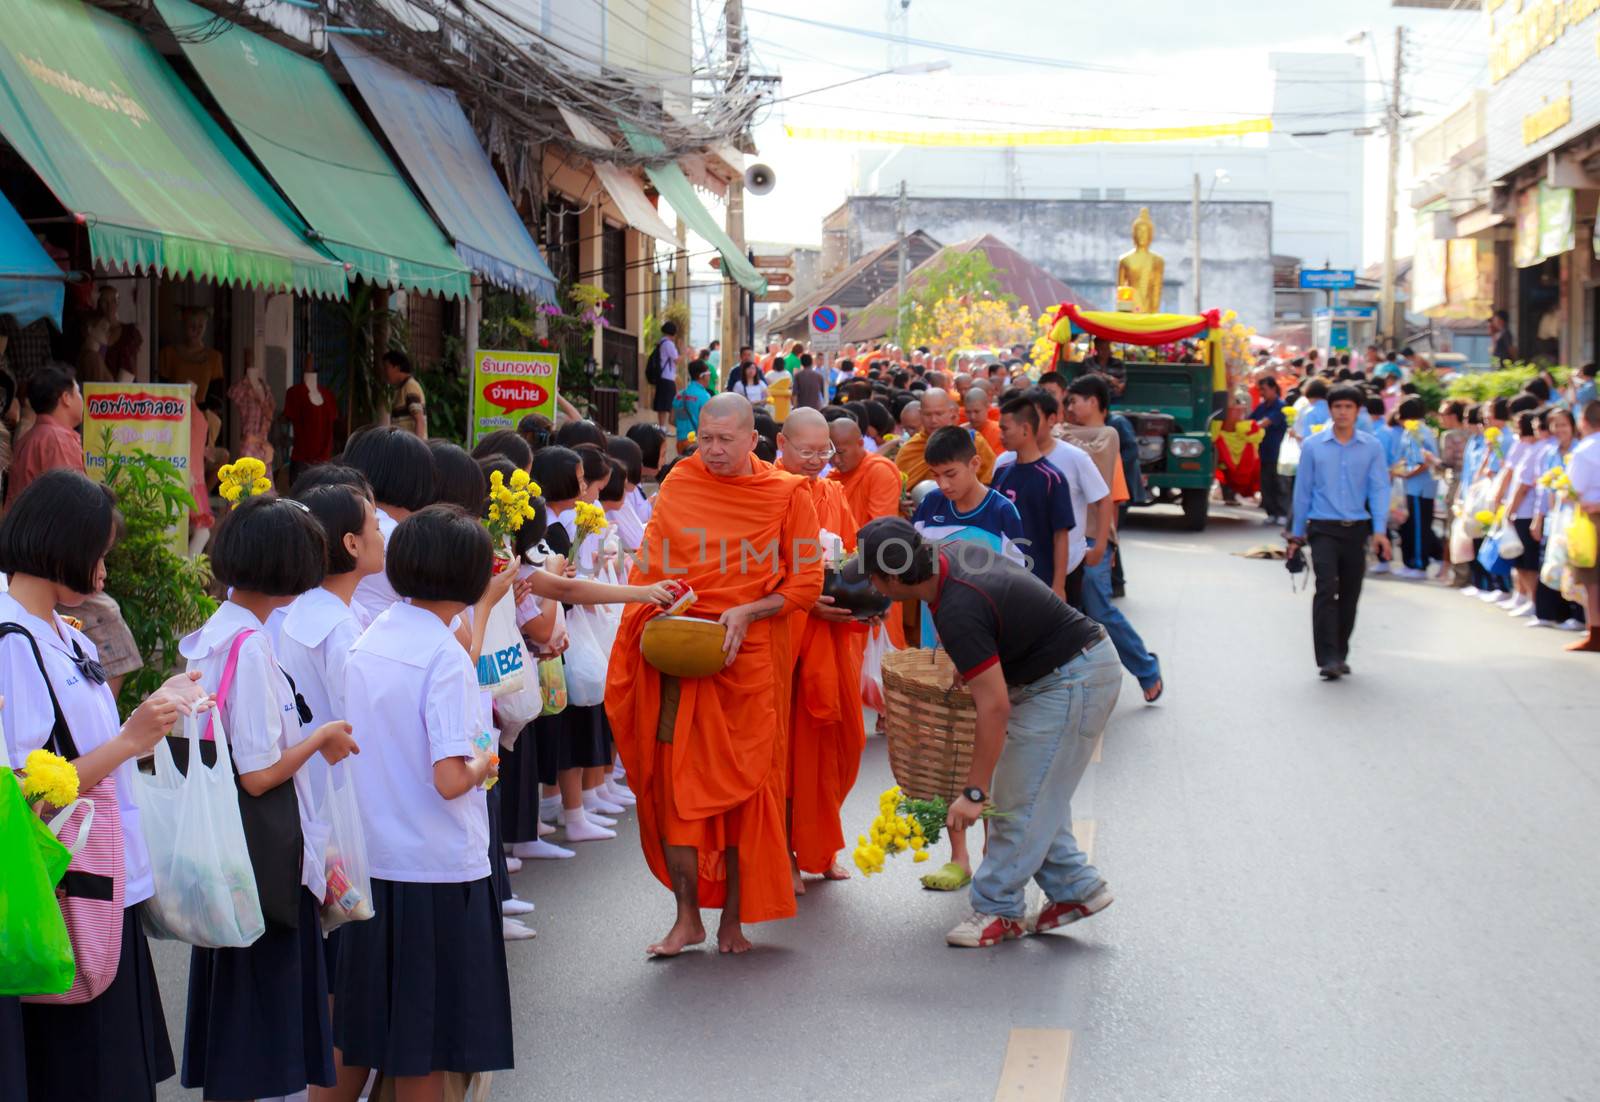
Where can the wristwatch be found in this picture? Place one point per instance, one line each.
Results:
(974, 793)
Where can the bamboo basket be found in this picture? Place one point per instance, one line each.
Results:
(931, 729)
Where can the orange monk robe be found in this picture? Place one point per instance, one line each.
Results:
(872, 490)
(826, 731)
(720, 782)
(990, 431)
(916, 469)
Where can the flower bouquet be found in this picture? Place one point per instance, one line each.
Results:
(510, 506)
(903, 825)
(590, 519)
(48, 780)
(243, 479)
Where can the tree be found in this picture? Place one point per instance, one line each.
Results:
(955, 275)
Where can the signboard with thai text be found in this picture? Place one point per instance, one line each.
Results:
(507, 386)
(123, 418)
(1544, 78)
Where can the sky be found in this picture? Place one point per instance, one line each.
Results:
(1181, 62)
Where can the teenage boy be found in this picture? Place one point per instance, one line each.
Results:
(1341, 496)
(1040, 493)
(961, 509)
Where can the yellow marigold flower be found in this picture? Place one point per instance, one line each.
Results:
(260, 486)
(1323, 427)
(519, 479)
(496, 480)
(1412, 424)
(49, 777)
(920, 856)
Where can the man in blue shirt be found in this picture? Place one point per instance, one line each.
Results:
(1270, 414)
(1341, 494)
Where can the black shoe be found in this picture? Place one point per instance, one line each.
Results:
(1344, 668)
(1330, 672)
(1118, 591)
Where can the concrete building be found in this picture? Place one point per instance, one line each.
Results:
(1078, 241)
(1308, 172)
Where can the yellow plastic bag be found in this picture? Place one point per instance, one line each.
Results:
(1581, 541)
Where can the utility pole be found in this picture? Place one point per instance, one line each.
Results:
(733, 298)
(902, 264)
(1194, 245)
(1386, 303)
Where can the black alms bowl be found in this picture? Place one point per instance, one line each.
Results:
(855, 594)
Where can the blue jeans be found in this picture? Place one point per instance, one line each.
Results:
(1097, 606)
(1049, 740)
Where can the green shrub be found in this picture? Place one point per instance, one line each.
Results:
(1505, 383)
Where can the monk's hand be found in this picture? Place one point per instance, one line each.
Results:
(827, 608)
(735, 623)
(963, 813)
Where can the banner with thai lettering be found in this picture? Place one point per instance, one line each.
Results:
(123, 418)
(507, 386)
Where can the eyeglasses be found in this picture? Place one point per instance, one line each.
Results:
(813, 456)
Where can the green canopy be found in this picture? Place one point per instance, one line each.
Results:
(675, 187)
(112, 131)
(315, 147)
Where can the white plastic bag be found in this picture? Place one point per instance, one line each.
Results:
(872, 666)
(1399, 506)
(349, 894)
(503, 662)
(1460, 542)
(1479, 499)
(205, 887)
(586, 658)
(1289, 456)
(1506, 538)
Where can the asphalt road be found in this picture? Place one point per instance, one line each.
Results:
(1382, 888)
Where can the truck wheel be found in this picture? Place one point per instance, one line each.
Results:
(1196, 504)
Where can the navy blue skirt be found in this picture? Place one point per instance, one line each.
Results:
(519, 778)
(112, 1047)
(422, 987)
(498, 873)
(577, 738)
(258, 1017)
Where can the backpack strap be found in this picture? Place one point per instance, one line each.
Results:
(228, 671)
(60, 734)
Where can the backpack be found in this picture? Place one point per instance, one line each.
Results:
(652, 366)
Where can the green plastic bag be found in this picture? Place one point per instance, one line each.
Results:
(35, 953)
(552, 686)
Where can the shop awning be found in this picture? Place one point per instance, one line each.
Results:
(618, 182)
(427, 128)
(315, 147)
(676, 189)
(120, 141)
(31, 285)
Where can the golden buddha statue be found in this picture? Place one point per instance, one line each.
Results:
(1141, 269)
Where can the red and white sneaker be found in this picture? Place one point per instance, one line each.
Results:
(978, 931)
(1066, 913)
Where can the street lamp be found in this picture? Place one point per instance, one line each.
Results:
(917, 68)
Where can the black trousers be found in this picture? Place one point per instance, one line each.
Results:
(1272, 502)
(1339, 563)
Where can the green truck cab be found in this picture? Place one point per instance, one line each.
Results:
(1170, 406)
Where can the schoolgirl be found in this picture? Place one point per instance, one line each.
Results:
(53, 543)
(1551, 609)
(1414, 453)
(422, 987)
(506, 444)
(257, 1022)
(399, 467)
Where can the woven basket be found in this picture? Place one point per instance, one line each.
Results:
(931, 729)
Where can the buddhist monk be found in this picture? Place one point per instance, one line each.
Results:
(872, 487)
(978, 410)
(826, 733)
(938, 410)
(706, 756)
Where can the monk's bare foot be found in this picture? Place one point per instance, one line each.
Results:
(731, 939)
(836, 871)
(794, 873)
(680, 937)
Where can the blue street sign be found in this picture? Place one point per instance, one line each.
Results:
(1327, 279)
(1343, 310)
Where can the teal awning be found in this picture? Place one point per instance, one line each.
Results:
(321, 155)
(676, 189)
(427, 128)
(119, 140)
(31, 285)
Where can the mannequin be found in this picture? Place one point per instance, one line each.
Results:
(311, 411)
(202, 518)
(91, 359)
(191, 361)
(123, 341)
(253, 405)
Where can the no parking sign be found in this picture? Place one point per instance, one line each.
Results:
(826, 324)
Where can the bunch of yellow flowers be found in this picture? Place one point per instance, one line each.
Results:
(1412, 425)
(591, 518)
(895, 830)
(1556, 479)
(49, 778)
(510, 504)
(1290, 414)
(243, 479)
(1492, 435)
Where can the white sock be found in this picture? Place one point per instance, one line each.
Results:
(580, 828)
(594, 801)
(549, 807)
(595, 817)
(545, 828)
(537, 851)
(618, 795)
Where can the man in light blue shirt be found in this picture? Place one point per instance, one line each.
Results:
(1341, 495)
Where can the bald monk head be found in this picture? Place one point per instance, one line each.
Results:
(963, 383)
(849, 449)
(804, 442)
(727, 435)
(977, 404)
(911, 417)
(938, 410)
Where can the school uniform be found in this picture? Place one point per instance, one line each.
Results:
(1419, 544)
(258, 1024)
(1526, 468)
(114, 1046)
(585, 742)
(374, 593)
(519, 766)
(422, 987)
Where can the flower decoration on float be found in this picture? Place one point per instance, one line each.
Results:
(243, 479)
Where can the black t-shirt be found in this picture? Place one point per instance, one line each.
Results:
(991, 610)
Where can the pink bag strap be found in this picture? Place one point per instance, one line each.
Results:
(228, 671)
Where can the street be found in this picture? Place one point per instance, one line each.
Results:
(1380, 888)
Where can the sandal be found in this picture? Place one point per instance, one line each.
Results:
(1158, 688)
(950, 877)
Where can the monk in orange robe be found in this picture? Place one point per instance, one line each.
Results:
(826, 731)
(872, 487)
(938, 410)
(706, 756)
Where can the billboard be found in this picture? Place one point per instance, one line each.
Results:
(121, 418)
(1544, 78)
(507, 386)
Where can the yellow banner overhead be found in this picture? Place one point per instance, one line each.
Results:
(1010, 138)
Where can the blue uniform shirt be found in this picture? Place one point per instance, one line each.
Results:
(1411, 446)
(1341, 481)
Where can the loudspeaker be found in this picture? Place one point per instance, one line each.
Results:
(759, 179)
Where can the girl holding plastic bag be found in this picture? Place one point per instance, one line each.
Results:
(258, 1017)
(53, 543)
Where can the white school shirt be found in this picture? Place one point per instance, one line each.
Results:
(641, 504)
(1526, 473)
(413, 698)
(90, 711)
(261, 720)
(1085, 484)
(626, 525)
(374, 593)
(316, 634)
(1583, 469)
